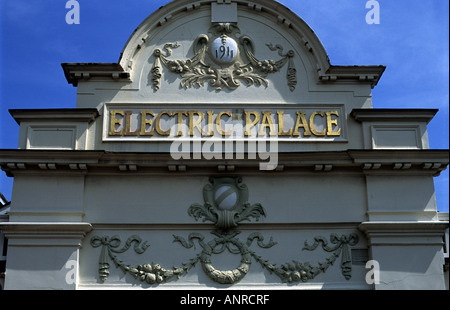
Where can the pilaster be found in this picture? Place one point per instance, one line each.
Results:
(408, 254)
(43, 255)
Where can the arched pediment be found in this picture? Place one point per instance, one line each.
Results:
(225, 46)
(263, 11)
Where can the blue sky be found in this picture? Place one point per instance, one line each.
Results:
(411, 40)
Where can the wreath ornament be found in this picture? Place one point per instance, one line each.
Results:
(225, 205)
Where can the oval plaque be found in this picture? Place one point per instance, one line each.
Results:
(224, 50)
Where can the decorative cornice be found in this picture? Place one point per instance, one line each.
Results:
(367, 74)
(393, 115)
(404, 232)
(430, 162)
(391, 157)
(49, 156)
(66, 115)
(74, 72)
(45, 233)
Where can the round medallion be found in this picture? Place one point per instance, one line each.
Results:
(224, 50)
(226, 197)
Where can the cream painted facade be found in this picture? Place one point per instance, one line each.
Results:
(309, 187)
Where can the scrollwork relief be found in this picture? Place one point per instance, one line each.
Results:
(223, 60)
(225, 204)
(289, 272)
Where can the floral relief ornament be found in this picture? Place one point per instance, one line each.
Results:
(225, 205)
(224, 60)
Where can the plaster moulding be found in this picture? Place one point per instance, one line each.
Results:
(225, 204)
(217, 60)
(315, 53)
(404, 232)
(428, 162)
(45, 233)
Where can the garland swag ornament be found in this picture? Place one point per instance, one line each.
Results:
(225, 204)
(224, 60)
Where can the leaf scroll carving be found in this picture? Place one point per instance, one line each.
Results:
(289, 272)
(225, 217)
(201, 68)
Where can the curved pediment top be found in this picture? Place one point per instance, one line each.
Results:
(225, 44)
(277, 11)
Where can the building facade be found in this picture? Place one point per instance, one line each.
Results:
(223, 150)
(4, 210)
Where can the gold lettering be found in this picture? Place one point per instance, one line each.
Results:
(248, 121)
(313, 127)
(331, 122)
(195, 124)
(113, 121)
(158, 126)
(179, 121)
(125, 123)
(210, 123)
(219, 126)
(128, 131)
(267, 122)
(301, 117)
(145, 122)
(281, 131)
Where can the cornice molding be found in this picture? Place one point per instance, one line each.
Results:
(429, 162)
(368, 74)
(66, 115)
(45, 233)
(404, 232)
(74, 72)
(390, 115)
